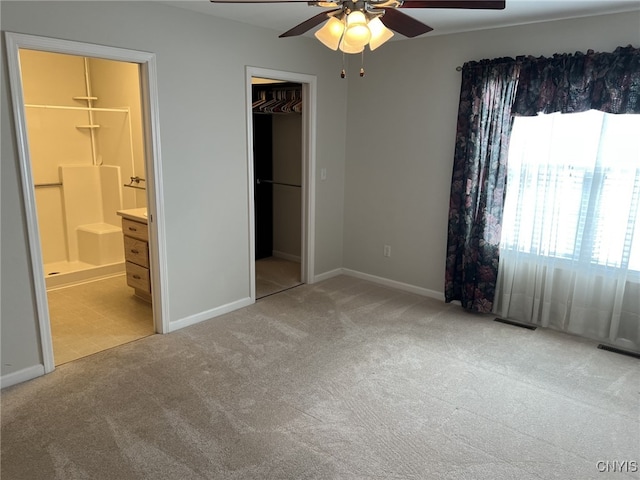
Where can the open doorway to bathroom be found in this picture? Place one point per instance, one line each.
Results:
(86, 143)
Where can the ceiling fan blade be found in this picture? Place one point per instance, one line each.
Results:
(403, 23)
(258, 1)
(308, 24)
(463, 4)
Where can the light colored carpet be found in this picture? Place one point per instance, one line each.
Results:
(275, 274)
(343, 379)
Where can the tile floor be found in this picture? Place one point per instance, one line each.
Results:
(96, 316)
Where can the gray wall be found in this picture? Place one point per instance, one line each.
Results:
(393, 187)
(201, 83)
(402, 124)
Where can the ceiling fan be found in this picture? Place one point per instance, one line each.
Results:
(354, 24)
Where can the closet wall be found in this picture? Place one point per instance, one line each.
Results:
(287, 199)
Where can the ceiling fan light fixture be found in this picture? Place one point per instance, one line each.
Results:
(357, 34)
(379, 33)
(331, 33)
(346, 47)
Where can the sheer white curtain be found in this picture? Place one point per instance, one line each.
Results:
(570, 248)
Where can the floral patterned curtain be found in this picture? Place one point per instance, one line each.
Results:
(492, 92)
(477, 187)
(571, 83)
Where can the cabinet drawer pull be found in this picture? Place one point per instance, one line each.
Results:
(137, 277)
(133, 229)
(134, 251)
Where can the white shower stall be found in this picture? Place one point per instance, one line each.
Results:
(84, 129)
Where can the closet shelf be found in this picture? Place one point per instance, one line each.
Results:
(85, 98)
(282, 99)
(87, 126)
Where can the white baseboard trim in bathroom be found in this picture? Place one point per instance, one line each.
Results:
(327, 275)
(209, 314)
(286, 256)
(20, 376)
(425, 292)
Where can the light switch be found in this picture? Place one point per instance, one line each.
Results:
(323, 174)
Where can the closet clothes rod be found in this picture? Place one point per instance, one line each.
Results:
(259, 181)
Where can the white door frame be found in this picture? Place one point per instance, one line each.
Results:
(153, 174)
(309, 93)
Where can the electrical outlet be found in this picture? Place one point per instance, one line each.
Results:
(387, 251)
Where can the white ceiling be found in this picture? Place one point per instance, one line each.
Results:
(282, 16)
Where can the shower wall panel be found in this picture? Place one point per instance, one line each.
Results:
(58, 136)
(117, 84)
(50, 82)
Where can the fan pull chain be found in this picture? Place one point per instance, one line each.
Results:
(343, 73)
(362, 64)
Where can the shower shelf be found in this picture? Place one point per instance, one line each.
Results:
(85, 109)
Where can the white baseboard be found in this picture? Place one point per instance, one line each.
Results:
(327, 275)
(244, 302)
(286, 256)
(425, 292)
(20, 376)
(209, 314)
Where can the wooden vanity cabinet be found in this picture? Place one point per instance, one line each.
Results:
(136, 254)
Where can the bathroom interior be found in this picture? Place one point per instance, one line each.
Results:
(84, 128)
(86, 152)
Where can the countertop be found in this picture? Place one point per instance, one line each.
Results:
(135, 214)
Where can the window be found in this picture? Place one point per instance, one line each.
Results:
(573, 188)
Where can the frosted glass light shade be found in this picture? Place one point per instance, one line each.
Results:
(331, 33)
(357, 34)
(348, 48)
(379, 33)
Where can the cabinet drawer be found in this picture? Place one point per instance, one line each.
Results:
(135, 229)
(138, 277)
(136, 251)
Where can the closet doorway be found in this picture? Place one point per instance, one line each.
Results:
(277, 165)
(280, 162)
(85, 117)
